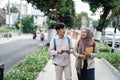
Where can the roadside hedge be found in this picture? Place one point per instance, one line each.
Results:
(113, 58)
(2, 30)
(29, 68)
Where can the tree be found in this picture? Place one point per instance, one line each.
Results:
(94, 23)
(68, 20)
(14, 10)
(119, 19)
(27, 24)
(106, 5)
(78, 20)
(55, 9)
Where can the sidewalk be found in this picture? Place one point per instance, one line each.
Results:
(102, 72)
(15, 38)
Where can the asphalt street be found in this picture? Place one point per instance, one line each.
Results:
(13, 52)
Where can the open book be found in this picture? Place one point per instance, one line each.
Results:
(89, 50)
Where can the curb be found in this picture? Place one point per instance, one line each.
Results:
(111, 68)
(42, 73)
(14, 38)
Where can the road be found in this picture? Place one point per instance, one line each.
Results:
(13, 52)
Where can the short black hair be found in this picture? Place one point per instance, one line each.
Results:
(59, 26)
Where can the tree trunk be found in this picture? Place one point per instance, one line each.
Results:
(103, 19)
(98, 33)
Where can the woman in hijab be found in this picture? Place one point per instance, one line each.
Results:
(85, 50)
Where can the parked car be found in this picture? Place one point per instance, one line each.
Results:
(108, 37)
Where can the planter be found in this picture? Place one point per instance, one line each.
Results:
(51, 34)
(97, 35)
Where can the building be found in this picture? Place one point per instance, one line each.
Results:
(25, 9)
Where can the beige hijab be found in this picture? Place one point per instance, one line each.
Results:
(84, 43)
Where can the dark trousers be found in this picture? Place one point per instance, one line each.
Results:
(86, 74)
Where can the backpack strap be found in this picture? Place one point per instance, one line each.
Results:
(54, 40)
(94, 43)
(68, 39)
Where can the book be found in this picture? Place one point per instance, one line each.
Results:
(65, 51)
(89, 50)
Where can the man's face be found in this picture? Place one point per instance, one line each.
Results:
(61, 32)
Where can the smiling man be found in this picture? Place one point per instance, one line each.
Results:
(60, 49)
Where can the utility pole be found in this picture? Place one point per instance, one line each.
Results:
(20, 16)
(116, 24)
(9, 12)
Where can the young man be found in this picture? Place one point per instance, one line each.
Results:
(60, 48)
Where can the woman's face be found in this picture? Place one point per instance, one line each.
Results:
(83, 33)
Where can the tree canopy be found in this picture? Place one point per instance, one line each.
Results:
(55, 9)
(107, 6)
(14, 10)
(78, 19)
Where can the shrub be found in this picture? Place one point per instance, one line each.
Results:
(103, 48)
(2, 30)
(113, 58)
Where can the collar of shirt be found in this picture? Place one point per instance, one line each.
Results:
(59, 37)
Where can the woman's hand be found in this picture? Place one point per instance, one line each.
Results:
(82, 56)
(87, 55)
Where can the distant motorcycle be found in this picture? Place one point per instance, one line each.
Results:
(34, 34)
(42, 36)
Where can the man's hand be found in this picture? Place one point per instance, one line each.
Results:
(60, 52)
(63, 51)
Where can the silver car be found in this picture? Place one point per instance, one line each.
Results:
(108, 37)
